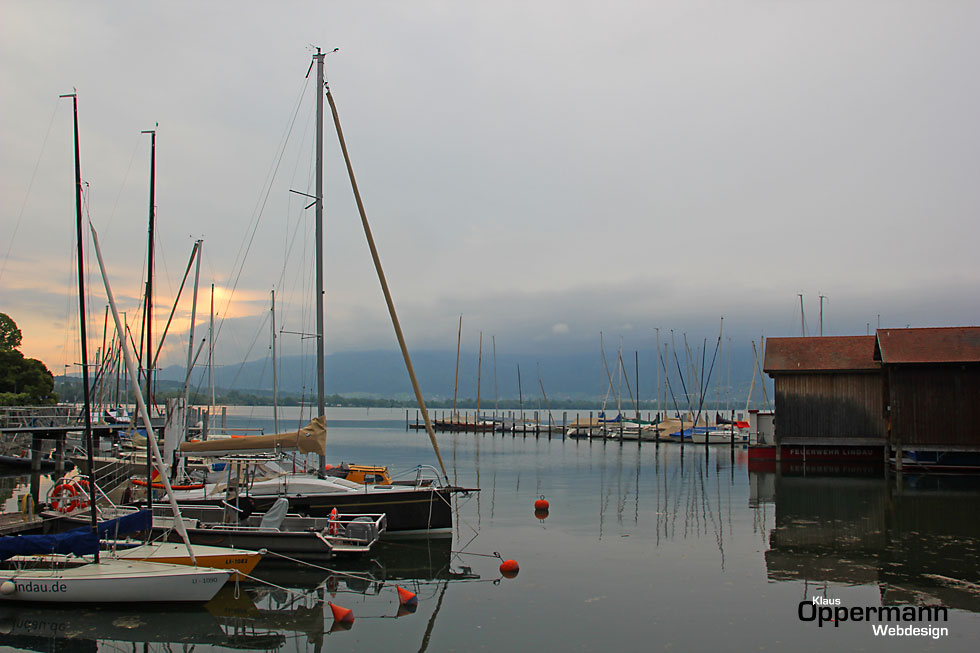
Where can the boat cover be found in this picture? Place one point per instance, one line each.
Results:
(312, 438)
(79, 541)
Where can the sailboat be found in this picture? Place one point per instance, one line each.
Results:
(26, 575)
(422, 507)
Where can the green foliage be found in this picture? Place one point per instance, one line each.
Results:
(23, 381)
(10, 335)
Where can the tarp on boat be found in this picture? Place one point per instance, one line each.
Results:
(312, 438)
(78, 541)
(81, 541)
(137, 522)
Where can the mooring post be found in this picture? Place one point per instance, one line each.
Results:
(36, 468)
(59, 455)
(590, 424)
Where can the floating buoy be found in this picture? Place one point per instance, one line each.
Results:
(405, 597)
(541, 504)
(405, 609)
(509, 568)
(343, 615)
(7, 587)
(340, 626)
(540, 514)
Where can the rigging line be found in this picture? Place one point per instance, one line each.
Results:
(261, 331)
(260, 209)
(112, 213)
(30, 185)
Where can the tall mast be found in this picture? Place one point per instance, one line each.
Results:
(496, 400)
(459, 337)
(148, 303)
(822, 297)
(320, 401)
(802, 319)
(190, 336)
(81, 314)
(275, 383)
(148, 313)
(479, 371)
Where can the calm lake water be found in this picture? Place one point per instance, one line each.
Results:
(644, 548)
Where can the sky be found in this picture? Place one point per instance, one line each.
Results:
(549, 170)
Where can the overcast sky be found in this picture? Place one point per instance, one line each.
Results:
(547, 169)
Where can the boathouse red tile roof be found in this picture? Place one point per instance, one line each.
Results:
(822, 354)
(932, 345)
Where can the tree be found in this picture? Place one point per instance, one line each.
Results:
(10, 335)
(23, 381)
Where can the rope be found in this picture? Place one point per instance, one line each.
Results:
(27, 195)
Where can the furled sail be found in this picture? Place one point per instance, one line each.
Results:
(312, 438)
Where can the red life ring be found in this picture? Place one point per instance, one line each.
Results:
(332, 526)
(64, 497)
(81, 485)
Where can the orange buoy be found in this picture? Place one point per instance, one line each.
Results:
(343, 615)
(405, 609)
(540, 514)
(405, 597)
(541, 504)
(509, 568)
(339, 626)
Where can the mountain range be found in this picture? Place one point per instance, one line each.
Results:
(577, 375)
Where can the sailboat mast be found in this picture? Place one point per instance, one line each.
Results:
(81, 313)
(479, 371)
(496, 400)
(320, 401)
(385, 290)
(459, 337)
(520, 393)
(190, 336)
(148, 313)
(802, 319)
(148, 303)
(275, 382)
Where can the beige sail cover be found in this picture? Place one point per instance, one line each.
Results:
(312, 438)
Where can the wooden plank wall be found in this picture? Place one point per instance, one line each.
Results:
(935, 405)
(839, 405)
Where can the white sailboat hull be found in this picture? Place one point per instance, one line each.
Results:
(112, 581)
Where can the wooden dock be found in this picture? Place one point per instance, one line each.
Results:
(12, 523)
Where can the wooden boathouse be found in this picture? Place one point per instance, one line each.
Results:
(830, 397)
(932, 381)
(899, 390)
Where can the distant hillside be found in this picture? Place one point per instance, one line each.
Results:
(567, 376)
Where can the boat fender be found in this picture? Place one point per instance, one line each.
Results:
(26, 504)
(7, 587)
(332, 524)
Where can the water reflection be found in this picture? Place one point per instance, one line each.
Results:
(288, 608)
(914, 537)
